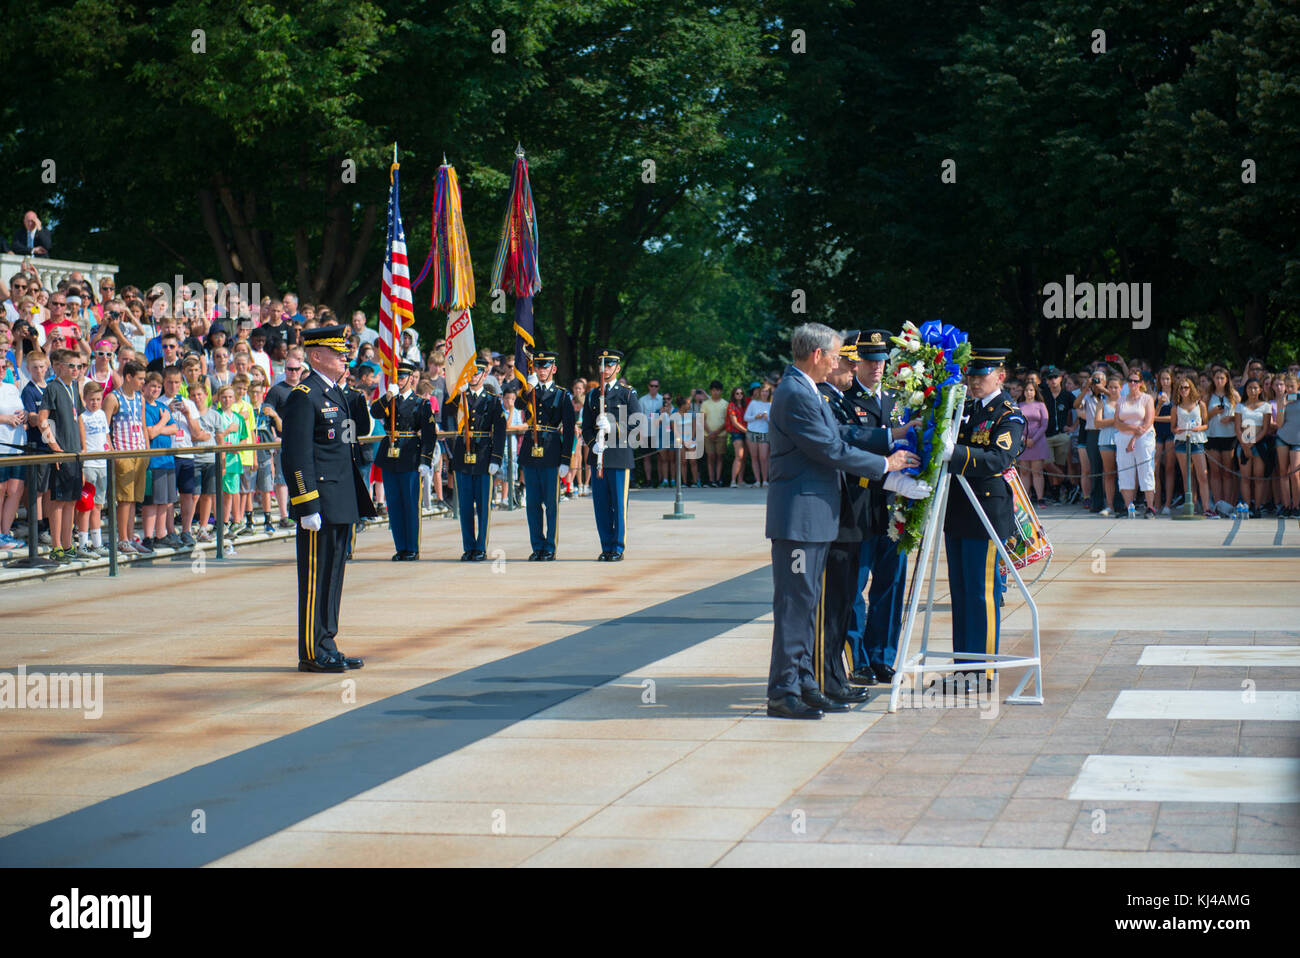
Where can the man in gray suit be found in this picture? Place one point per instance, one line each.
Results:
(808, 449)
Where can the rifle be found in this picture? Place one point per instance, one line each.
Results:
(600, 456)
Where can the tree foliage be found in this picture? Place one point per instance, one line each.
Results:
(698, 168)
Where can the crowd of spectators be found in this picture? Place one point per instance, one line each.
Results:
(86, 367)
(1115, 430)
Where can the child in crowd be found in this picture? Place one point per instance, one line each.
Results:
(228, 428)
(685, 427)
(189, 432)
(160, 430)
(13, 435)
(426, 390)
(514, 417)
(205, 463)
(248, 458)
(94, 433)
(33, 396)
(59, 422)
(268, 427)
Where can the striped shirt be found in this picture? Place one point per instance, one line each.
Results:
(127, 427)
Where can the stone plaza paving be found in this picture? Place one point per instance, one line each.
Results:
(575, 713)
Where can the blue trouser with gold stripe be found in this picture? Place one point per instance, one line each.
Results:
(402, 493)
(609, 498)
(542, 492)
(322, 558)
(976, 585)
(472, 500)
(878, 617)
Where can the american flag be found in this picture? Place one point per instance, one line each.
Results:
(395, 310)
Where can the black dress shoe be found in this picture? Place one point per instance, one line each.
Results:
(535, 555)
(411, 557)
(603, 557)
(790, 706)
(399, 556)
(467, 557)
(548, 556)
(850, 695)
(863, 676)
(884, 673)
(480, 556)
(331, 665)
(817, 700)
(346, 662)
(616, 557)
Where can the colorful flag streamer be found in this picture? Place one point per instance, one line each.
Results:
(453, 275)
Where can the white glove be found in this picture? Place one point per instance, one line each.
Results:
(604, 423)
(532, 380)
(906, 486)
(946, 445)
(426, 473)
(393, 390)
(494, 468)
(598, 446)
(311, 523)
(564, 471)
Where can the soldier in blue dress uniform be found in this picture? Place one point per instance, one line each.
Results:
(606, 433)
(876, 619)
(544, 453)
(475, 462)
(405, 455)
(990, 438)
(327, 494)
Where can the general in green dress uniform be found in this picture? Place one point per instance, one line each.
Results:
(327, 494)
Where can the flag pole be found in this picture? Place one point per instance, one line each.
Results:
(395, 334)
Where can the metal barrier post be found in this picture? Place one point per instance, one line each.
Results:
(679, 507)
(1189, 501)
(219, 503)
(112, 516)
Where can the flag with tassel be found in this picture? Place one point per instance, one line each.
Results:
(396, 311)
(453, 282)
(515, 269)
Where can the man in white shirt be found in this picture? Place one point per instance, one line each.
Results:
(651, 404)
(359, 327)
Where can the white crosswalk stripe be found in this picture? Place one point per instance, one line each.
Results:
(1188, 778)
(1259, 656)
(1233, 706)
(1199, 778)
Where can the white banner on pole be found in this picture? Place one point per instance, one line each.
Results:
(460, 351)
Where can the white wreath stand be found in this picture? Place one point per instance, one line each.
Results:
(924, 660)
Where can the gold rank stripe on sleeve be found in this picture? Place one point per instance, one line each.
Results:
(305, 497)
(962, 470)
(302, 486)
